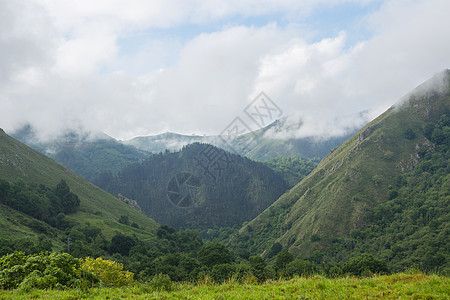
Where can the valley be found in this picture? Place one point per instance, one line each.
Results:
(378, 203)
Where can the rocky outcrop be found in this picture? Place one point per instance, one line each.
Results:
(130, 202)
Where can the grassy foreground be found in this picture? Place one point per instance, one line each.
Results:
(411, 286)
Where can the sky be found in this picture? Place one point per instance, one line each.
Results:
(143, 67)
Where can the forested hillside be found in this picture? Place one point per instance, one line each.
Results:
(384, 191)
(200, 186)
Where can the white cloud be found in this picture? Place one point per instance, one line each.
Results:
(61, 64)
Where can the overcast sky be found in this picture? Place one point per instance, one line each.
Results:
(140, 67)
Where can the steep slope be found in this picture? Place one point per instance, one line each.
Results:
(86, 154)
(337, 199)
(200, 186)
(18, 162)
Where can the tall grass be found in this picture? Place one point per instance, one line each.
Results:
(400, 285)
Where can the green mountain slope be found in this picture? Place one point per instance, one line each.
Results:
(84, 153)
(224, 190)
(338, 198)
(18, 162)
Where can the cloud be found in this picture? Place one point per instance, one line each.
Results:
(325, 81)
(23, 47)
(63, 65)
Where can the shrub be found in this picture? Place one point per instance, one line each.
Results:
(222, 272)
(37, 270)
(124, 220)
(282, 259)
(377, 179)
(365, 264)
(214, 253)
(161, 282)
(388, 155)
(334, 271)
(409, 134)
(269, 272)
(88, 279)
(12, 271)
(37, 280)
(392, 194)
(122, 244)
(258, 266)
(300, 267)
(109, 272)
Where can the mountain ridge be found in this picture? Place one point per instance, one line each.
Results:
(334, 198)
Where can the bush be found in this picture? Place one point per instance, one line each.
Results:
(282, 259)
(122, 244)
(269, 272)
(334, 271)
(409, 134)
(37, 280)
(388, 155)
(161, 282)
(12, 271)
(222, 272)
(365, 265)
(124, 220)
(38, 270)
(300, 267)
(88, 279)
(214, 253)
(258, 266)
(109, 272)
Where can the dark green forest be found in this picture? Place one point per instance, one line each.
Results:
(39, 201)
(225, 189)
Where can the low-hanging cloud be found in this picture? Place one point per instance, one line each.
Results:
(68, 72)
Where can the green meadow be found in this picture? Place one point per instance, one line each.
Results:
(396, 286)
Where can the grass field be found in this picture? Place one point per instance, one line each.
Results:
(397, 286)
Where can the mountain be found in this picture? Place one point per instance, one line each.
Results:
(259, 145)
(85, 153)
(33, 176)
(89, 154)
(386, 190)
(197, 187)
(266, 144)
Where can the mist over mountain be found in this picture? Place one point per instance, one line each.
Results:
(278, 138)
(86, 153)
(91, 153)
